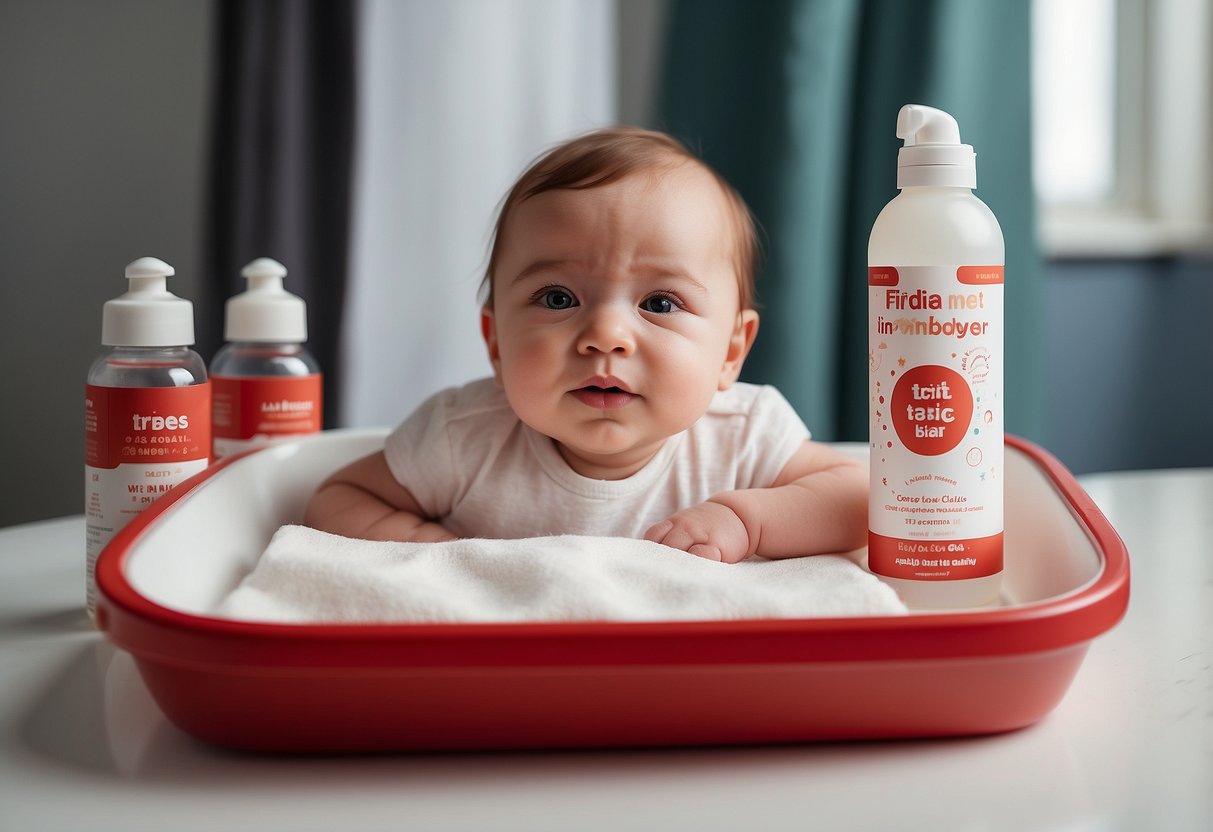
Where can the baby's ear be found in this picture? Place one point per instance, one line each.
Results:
(488, 330)
(739, 347)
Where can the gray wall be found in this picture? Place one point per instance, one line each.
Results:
(1130, 373)
(102, 151)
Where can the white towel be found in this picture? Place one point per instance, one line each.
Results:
(310, 576)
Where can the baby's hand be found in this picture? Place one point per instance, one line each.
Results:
(708, 530)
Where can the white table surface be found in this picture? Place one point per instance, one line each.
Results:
(83, 746)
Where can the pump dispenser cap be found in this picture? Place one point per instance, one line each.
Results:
(932, 154)
(266, 312)
(148, 315)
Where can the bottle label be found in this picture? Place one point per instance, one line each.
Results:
(254, 411)
(138, 443)
(935, 394)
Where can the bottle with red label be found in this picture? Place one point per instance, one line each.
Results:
(147, 408)
(267, 385)
(935, 361)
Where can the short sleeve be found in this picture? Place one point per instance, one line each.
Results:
(418, 453)
(774, 432)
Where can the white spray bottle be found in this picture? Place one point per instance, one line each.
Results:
(935, 360)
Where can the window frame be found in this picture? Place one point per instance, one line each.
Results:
(1161, 201)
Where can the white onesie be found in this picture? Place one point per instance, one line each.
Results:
(471, 464)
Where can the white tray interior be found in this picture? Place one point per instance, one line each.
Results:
(196, 553)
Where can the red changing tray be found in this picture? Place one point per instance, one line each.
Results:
(358, 687)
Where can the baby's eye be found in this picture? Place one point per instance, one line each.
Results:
(659, 304)
(556, 298)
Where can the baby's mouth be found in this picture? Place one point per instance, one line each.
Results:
(602, 397)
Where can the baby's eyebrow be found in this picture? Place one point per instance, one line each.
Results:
(666, 273)
(655, 271)
(541, 266)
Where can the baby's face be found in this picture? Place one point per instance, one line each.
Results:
(616, 315)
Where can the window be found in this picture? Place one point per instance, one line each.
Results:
(1121, 126)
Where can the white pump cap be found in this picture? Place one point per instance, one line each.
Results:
(148, 315)
(932, 154)
(265, 312)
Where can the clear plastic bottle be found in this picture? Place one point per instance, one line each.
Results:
(935, 278)
(147, 408)
(268, 387)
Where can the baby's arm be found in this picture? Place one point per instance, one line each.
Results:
(364, 500)
(817, 504)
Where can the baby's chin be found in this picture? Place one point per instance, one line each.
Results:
(607, 462)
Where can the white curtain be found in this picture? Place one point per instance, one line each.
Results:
(455, 98)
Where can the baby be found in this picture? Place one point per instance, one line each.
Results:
(619, 309)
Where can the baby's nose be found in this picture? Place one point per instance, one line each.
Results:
(607, 329)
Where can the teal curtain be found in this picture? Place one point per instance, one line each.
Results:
(795, 102)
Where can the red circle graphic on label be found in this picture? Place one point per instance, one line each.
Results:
(931, 408)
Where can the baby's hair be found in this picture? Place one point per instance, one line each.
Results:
(603, 156)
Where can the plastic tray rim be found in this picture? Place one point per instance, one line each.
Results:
(151, 630)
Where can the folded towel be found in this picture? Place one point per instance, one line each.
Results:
(310, 576)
